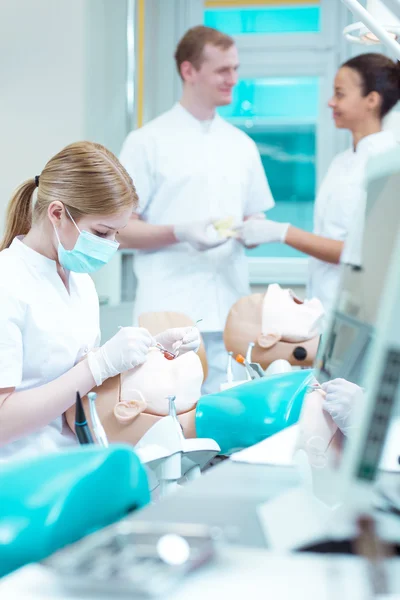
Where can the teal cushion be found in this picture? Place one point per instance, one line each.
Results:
(247, 414)
(54, 500)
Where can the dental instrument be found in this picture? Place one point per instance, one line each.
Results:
(172, 413)
(168, 355)
(255, 366)
(251, 373)
(81, 425)
(98, 428)
(229, 372)
(179, 344)
(249, 352)
(242, 361)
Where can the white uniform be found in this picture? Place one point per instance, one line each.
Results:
(186, 170)
(43, 333)
(337, 206)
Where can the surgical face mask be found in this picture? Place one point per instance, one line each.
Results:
(89, 254)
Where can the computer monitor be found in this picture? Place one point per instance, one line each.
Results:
(362, 342)
(347, 341)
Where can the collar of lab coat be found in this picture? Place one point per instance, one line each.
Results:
(191, 121)
(38, 261)
(375, 142)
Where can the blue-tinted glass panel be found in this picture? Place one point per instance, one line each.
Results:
(302, 19)
(288, 157)
(271, 97)
(280, 114)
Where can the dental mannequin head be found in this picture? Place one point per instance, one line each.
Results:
(207, 62)
(181, 378)
(366, 88)
(83, 188)
(130, 404)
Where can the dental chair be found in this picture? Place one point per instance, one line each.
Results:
(158, 408)
(152, 407)
(175, 430)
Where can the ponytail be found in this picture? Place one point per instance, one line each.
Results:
(19, 213)
(85, 177)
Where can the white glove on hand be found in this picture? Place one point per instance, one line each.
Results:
(201, 235)
(184, 339)
(254, 232)
(126, 350)
(340, 402)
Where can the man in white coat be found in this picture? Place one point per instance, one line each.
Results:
(191, 167)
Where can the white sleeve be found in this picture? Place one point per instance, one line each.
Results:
(259, 196)
(135, 157)
(12, 312)
(352, 251)
(92, 297)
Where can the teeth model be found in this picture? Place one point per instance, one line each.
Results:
(224, 227)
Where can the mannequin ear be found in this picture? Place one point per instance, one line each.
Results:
(268, 340)
(127, 410)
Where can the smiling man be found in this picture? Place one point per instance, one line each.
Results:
(191, 168)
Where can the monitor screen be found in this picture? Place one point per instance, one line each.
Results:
(344, 346)
(349, 346)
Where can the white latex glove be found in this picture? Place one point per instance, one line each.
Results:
(126, 350)
(254, 232)
(184, 339)
(201, 235)
(340, 402)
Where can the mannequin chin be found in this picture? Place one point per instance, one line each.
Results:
(319, 435)
(130, 404)
(158, 378)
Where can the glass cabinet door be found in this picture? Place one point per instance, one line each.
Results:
(280, 115)
(272, 19)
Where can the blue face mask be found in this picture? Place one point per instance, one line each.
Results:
(89, 254)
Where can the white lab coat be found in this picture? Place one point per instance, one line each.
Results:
(184, 171)
(337, 207)
(44, 331)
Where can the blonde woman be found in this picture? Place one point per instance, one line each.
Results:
(49, 314)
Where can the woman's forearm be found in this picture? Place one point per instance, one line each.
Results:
(314, 245)
(23, 412)
(145, 236)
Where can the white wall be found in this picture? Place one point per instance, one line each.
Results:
(62, 73)
(63, 78)
(166, 21)
(42, 85)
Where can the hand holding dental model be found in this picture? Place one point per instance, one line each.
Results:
(126, 350)
(201, 235)
(179, 339)
(256, 231)
(340, 402)
(129, 348)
